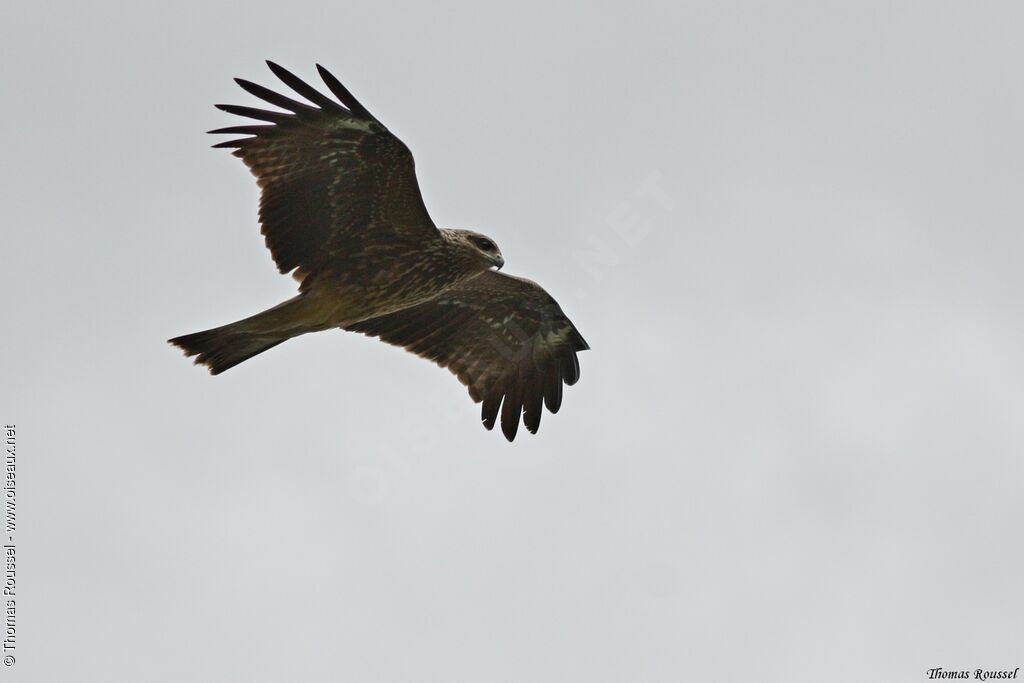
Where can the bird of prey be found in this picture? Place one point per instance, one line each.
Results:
(341, 210)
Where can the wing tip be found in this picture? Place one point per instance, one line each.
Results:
(510, 429)
(343, 94)
(278, 70)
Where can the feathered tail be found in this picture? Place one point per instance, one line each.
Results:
(225, 347)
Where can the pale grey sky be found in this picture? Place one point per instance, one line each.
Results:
(791, 233)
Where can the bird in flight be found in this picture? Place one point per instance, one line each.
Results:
(341, 210)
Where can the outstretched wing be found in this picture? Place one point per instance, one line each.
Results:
(334, 180)
(504, 337)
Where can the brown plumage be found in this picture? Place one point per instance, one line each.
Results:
(341, 210)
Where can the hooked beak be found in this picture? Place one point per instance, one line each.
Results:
(499, 262)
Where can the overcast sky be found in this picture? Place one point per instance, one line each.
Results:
(791, 233)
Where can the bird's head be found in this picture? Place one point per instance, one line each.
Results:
(478, 249)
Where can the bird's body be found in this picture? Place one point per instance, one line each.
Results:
(341, 210)
(380, 279)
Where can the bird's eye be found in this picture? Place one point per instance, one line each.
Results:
(486, 245)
